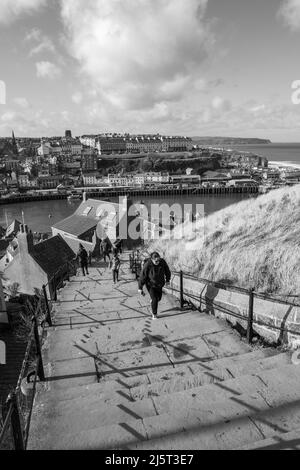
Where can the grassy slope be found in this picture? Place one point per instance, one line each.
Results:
(255, 243)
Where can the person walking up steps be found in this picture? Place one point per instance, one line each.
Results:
(154, 276)
(105, 249)
(82, 257)
(115, 267)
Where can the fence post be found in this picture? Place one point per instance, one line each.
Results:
(250, 316)
(48, 319)
(181, 290)
(54, 289)
(16, 423)
(41, 372)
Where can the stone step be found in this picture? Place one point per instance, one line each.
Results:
(196, 377)
(280, 441)
(224, 424)
(117, 393)
(89, 412)
(125, 384)
(233, 432)
(193, 368)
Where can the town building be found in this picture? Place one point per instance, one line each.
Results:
(89, 159)
(34, 265)
(92, 179)
(109, 145)
(13, 228)
(49, 182)
(95, 220)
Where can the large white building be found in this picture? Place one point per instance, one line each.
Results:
(139, 179)
(115, 143)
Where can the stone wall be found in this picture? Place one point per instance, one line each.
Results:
(222, 303)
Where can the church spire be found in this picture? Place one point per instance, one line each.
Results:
(14, 143)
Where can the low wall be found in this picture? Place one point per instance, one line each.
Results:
(277, 317)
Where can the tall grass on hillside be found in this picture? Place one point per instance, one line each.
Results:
(254, 243)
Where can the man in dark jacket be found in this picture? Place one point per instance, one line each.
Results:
(105, 249)
(82, 257)
(155, 275)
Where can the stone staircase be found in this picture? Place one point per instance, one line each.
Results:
(118, 380)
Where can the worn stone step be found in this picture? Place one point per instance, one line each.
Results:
(197, 375)
(280, 441)
(267, 383)
(90, 412)
(224, 424)
(71, 418)
(118, 391)
(229, 433)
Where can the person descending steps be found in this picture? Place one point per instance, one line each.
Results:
(155, 274)
(82, 257)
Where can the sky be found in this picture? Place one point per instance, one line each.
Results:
(188, 67)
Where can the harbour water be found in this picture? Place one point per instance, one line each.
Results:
(276, 152)
(40, 216)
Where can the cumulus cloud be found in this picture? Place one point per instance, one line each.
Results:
(22, 102)
(138, 53)
(45, 69)
(10, 10)
(290, 12)
(44, 43)
(77, 97)
(221, 104)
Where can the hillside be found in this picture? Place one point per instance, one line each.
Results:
(255, 243)
(176, 162)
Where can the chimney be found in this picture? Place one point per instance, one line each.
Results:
(25, 239)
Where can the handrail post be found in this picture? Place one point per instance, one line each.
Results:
(41, 373)
(48, 319)
(16, 423)
(181, 290)
(250, 317)
(54, 289)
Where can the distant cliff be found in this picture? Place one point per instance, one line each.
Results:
(224, 141)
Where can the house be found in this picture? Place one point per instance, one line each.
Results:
(34, 265)
(13, 228)
(106, 219)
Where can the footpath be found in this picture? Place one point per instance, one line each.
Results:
(116, 379)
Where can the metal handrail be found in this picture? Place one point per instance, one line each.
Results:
(243, 290)
(232, 288)
(6, 422)
(34, 337)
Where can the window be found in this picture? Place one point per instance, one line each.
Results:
(87, 210)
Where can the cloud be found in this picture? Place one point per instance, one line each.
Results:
(290, 12)
(44, 42)
(77, 97)
(10, 10)
(221, 104)
(22, 102)
(45, 69)
(138, 53)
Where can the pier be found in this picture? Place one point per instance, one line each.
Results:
(132, 192)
